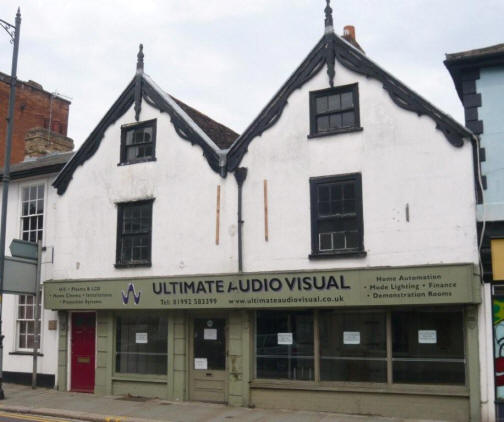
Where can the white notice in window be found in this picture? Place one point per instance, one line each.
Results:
(141, 338)
(210, 334)
(285, 338)
(351, 337)
(427, 336)
(200, 363)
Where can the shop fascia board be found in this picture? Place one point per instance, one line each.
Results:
(378, 286)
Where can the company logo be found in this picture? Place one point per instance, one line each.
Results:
(131, 290)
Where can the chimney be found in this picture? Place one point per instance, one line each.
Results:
(349, 35)
(40, 142)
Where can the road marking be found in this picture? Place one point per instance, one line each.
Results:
(31, 417)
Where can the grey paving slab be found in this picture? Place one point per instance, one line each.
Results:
(90, 407)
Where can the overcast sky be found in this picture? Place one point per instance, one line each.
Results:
(228, 57)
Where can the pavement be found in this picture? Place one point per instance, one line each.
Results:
(90, 407)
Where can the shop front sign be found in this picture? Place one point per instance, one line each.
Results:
(332, 288)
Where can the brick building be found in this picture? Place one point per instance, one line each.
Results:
(40, 118)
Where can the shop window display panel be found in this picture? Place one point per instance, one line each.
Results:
(353, 346)
(141, 344)
(428, 347)
(284, 345)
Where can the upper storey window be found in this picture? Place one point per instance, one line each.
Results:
(334, 110)
(336, 213)
(32, 213)
(134, 233)
(138, 142)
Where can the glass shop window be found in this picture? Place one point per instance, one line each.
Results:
(141, 344)
(353, 346)
(284, 345)
(428, 346)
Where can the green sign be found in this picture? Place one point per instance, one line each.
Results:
(23, 249)
(20, 276)
(332, 288)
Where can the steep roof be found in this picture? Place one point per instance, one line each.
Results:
(220, 134)
(189, 123)
(329, 48)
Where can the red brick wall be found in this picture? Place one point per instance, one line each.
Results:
(31, 109)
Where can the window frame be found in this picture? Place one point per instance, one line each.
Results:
(314, 183)
(155, 376)
(390, 384)
(20, 321)
(124, 148)
(121, 206)
(28, 216)
(354, 89)
(39, 236)
(289, 312)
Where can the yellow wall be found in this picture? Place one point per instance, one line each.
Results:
(497, 247)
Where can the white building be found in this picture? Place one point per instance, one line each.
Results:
(350, 170)
(31, 216)
(339, 272)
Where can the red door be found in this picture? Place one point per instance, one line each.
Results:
(83, 352)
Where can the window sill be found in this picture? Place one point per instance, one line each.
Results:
(360, 387)
(141, 378)
(341, 254)
(20, 353)
(143, 160)
(120, 265)
(335, 132)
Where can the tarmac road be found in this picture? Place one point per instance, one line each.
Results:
(18, 417)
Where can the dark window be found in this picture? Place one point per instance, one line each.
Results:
(336, 212)
(138, 142)
(142, 344)
(428, 347)
(353, 346)
(214, 349)
(284, 345)
(334, 110)
(134, 228)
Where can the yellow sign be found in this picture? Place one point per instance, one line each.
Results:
(497, 248)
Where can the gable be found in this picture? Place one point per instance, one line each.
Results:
(330, 48)
(189, 124)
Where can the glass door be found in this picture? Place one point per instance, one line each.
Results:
(208, 360)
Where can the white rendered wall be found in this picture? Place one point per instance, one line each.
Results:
(184, 211)
(47, 364)
(403, 160)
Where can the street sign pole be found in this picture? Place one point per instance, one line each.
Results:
(36, 339)
(13, 31)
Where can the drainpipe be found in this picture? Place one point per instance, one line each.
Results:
(240, 176)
